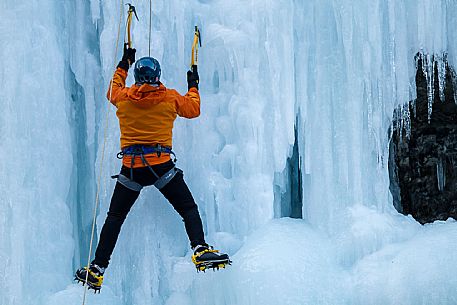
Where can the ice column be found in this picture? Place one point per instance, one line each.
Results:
(356, 65)
(35, 225)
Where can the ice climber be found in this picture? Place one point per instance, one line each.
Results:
(146, 112)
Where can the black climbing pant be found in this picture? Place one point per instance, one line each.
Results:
(176, 192)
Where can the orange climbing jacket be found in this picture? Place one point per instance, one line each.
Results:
(146, 115)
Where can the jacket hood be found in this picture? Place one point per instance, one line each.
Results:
(146, 94)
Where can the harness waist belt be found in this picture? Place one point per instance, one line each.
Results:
(135, 150)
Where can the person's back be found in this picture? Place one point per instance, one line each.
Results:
(146, 112)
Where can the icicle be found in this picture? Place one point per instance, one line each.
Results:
(406, 118)
(415, 107)
(455, 90)
(427, 69)
(441, 63)
(417, 58)
(400, 119)
(412, 85)
(368, 99)
(441, 174)
(397, 120)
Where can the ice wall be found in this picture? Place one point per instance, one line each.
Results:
(79, 42)
(337, 68)
(51, 87)
(229, 154)
(340, 66)
(356, 64)
(35, 226)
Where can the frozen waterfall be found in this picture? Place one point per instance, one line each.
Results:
(323, 74)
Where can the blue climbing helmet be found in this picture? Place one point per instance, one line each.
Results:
(147, 70)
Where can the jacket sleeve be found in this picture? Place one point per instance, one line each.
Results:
(118, 87)
(188, 106)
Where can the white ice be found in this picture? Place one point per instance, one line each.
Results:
(338, 67)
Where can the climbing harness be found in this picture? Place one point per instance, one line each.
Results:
(146, 149)
(141, 151)
(105, 132)
(195, 44)
(128, 183)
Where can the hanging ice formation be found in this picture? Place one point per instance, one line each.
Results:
(336, 67)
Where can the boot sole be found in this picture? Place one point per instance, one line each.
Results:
(89, 284)
(216, 264)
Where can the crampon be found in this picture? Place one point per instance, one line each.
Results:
(212, 265)
(94, 280)
(208, 258)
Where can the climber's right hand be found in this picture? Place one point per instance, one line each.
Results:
(128, 58)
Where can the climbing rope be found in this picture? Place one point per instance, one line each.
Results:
(150, 25)
(105, 132)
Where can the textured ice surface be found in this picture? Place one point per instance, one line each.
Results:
(73, 294)
(288, 262)
(420, 270)
(340, 66)
(35, 221)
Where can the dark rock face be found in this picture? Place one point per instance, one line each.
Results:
(422, 166)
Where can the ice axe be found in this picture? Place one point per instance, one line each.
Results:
(130, 14)
(195, 45)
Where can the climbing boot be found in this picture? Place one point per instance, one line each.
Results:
(94, 276)
(206, 257)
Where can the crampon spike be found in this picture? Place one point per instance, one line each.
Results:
(202, 267)
(89, 286)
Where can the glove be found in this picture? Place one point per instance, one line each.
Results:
(192, 78)
(128, 58)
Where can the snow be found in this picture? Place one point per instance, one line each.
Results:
(336, 67)
(288, 262)
(418, 271)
